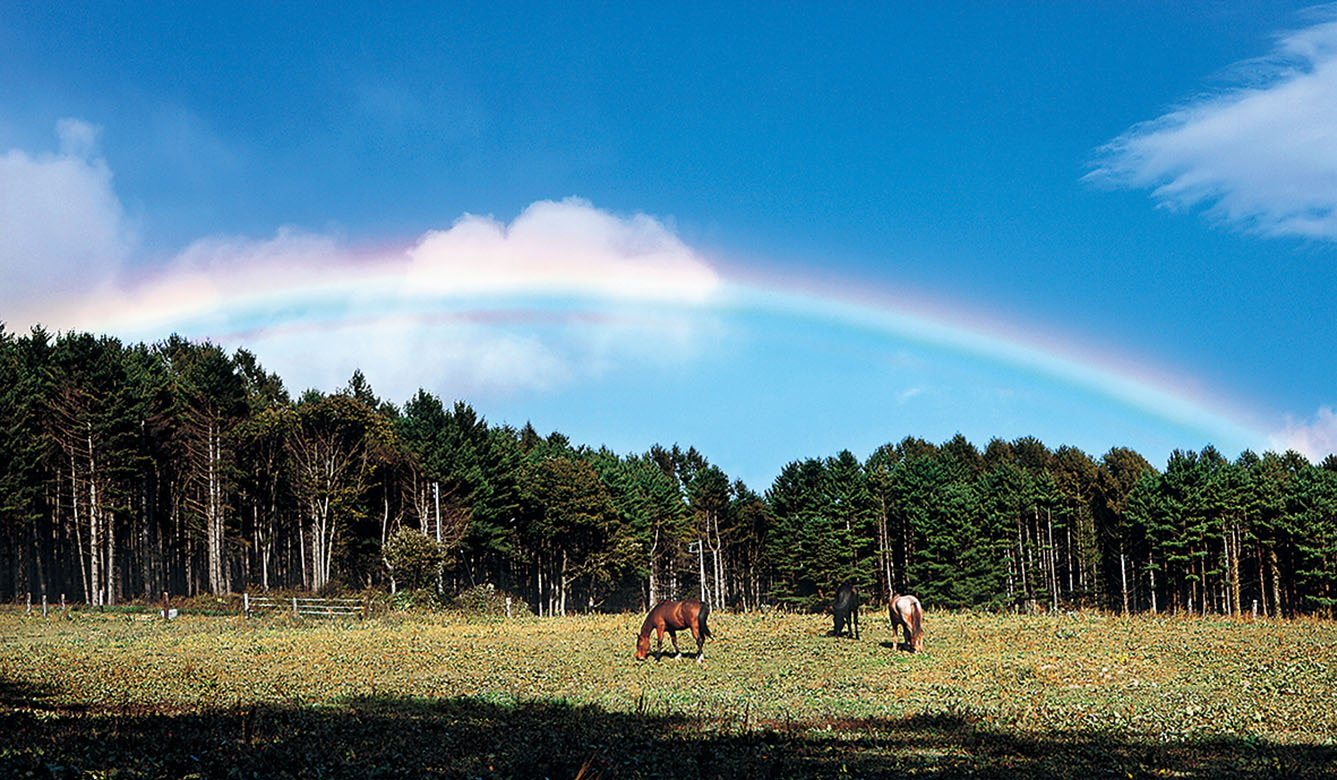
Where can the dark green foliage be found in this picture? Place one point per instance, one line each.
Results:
(127, 471)
(413, 558)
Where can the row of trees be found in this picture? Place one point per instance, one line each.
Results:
(129, 470)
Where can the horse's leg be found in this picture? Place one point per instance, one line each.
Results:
(855, 621)
(673, 635)
(659, 647)
(700, 642)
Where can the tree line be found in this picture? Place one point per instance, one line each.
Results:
(128, 470)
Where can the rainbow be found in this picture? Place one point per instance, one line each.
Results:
(360, 299)
(1135, 387)
(566, 293)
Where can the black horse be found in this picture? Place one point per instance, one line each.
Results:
(845, 609)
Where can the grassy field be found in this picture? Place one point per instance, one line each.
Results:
(94, 695)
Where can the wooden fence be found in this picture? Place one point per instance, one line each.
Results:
(297, 606)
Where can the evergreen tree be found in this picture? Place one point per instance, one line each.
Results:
(801, 547)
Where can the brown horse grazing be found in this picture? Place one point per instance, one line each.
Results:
(674, 616)
(907, 613)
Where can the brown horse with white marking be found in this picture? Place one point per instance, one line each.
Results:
(907, 613)
(674, 616)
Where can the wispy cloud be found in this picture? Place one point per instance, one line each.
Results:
(1315, 439)
(908, 394)
(1260, 154)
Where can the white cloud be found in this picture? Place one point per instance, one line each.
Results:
(1316, 439)
(908, 394)
(565, 246)
(62, 228)
(1261, 155)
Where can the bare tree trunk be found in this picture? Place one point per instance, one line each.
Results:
(562, 586)
(95, 540)
(1278, 608)
(716, 547)
(1123, 576)
(1262, 580)
(436, 506)
(1072, 564)
(301, 554)
(701, 558)
(1011, 577)
(884, 552)
(85, 564)
(1053, 562)
(213, 511)
(1152, 571)
(1022, 582)
(1236, 589)
(112, 569)
(654, 570)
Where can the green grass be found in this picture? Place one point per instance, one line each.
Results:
(101, 695)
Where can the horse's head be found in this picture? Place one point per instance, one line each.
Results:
(642, 647)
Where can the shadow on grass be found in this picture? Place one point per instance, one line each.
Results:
(412, 738)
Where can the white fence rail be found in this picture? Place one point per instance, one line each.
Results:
(312, 607)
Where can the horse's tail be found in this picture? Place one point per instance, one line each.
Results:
(701, 619)
(916, 625)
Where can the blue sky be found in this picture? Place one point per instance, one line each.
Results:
(769, 231)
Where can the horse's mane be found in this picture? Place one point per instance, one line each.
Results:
(649, 624)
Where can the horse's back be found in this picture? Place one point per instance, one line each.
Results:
(908, 612)
(679, 614)
(847, 599)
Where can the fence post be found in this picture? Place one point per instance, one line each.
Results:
(43, 605)
(246, 605)
(294, 606)
(29, 603)
(508, 607)
(63, 607)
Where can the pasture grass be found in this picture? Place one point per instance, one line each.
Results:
(418, 695)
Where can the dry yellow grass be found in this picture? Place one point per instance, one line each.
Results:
(985, 684)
